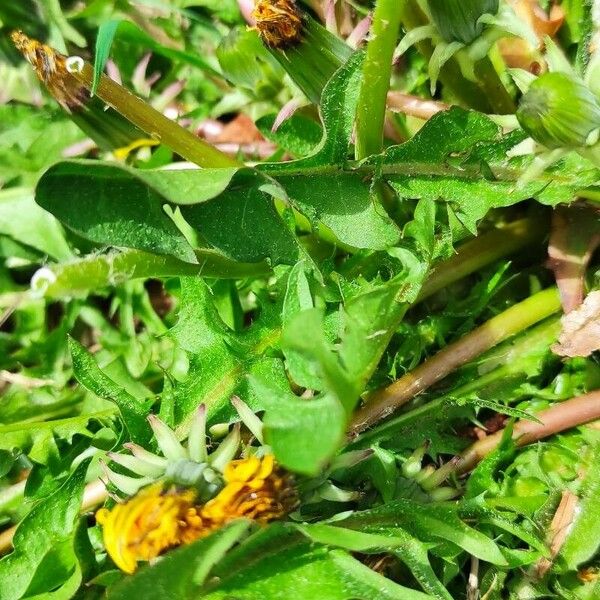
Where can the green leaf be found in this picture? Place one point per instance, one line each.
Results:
(179, 575)
(305, 335)
(429, 522)
(119, 206)
(278, 563)
(79, 278)
(104, 40)
(254, 231)
(303, 433)
(43, 558)
(460, 157)
(220, 359)
(39, 230)
(298, 135)
(339, 201)
(127, 31)
(89, 374)
(395, 541)
(39, 437)
(109, 206)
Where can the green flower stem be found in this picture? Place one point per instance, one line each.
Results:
(80, 277)
(497, 94)
(460, 88)
(560, 417)
(483, 250)
(517, 318)
(154, 123)
(376, 74)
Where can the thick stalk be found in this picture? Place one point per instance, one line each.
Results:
(79, 278)
(495, 91)
(376, 74)
(154, 123)
(560, 417)
(505, 363)
(517, 318)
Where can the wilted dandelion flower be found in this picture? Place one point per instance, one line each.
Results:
(278, 22)
(51, 68)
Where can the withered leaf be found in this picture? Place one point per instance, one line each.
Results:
(580, 335)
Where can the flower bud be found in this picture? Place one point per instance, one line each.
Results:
(458, 20)
(559, 111)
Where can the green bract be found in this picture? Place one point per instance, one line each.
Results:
(559, 111)
(458, 20)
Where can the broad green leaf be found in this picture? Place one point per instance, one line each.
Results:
(108, 206)
(303, 433)
(179, 575)
(89, 374)
(278, 563)
(460, 157)
(119, 206)
(244, 224)
(339, 201)
(220, 359)
(43, 557)
(345, 205)
(304, 334)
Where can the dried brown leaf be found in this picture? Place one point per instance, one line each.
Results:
(563, 517)
(580, 335)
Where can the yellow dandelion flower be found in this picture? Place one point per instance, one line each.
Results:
(255, 489)
(278, 22)
(51, 68)
(159, 518)
(150, 523)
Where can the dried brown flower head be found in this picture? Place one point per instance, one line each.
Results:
(278, 22)
(51, 68)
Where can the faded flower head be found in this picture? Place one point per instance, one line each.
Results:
(278, 22)
(51, 67)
